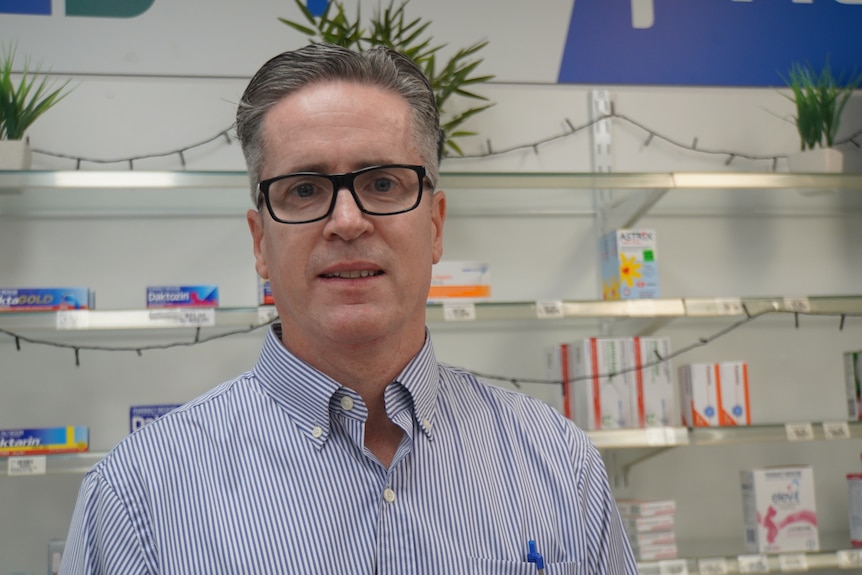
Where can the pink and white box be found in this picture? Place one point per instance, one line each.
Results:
(779, 510)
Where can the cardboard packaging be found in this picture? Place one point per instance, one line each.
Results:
(628, 265)
(779, 510)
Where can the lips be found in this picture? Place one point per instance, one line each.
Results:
(351, 274)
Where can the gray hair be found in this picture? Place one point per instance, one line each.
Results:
(379, 66)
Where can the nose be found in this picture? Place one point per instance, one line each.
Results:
(346, 220)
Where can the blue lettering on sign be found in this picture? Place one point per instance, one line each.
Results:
(317, 7)
(42, 7)
(709, 42)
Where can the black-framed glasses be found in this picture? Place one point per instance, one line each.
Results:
(306, 197)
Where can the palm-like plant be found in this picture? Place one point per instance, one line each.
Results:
(820, 99)
(24, 103)
(390, 27)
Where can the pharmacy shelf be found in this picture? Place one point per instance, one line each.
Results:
(455, 313)
(777, 433)
(161, 193)
(70, 463)
(719, 557)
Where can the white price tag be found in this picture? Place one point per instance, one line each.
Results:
(266, 314)
(715, 566)
(849, 559)
(753, 564)
(673, 567)
(459, 311)
(728, 306)
(549, 309)
(656, 436)
(197, 317)
(793, 562)
(799, 431)
(836, 430)
(185, 317)
(29, 465)
(797, 304)
(73, 319)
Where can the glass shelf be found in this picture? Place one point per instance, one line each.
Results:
(161, 193)
(645, 309)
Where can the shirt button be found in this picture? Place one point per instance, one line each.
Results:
(388, 495)
(316, 431)
(347, 403)
(426, 423)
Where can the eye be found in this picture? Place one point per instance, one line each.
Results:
(303, 190)
(382, 184)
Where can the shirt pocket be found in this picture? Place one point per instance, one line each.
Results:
(499, 567)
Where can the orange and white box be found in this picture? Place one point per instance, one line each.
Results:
(655, 404)
(733, 399)
(652, 538)
(603, 392)
(459, 281)
(698, 383)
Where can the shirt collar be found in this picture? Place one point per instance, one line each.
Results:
(305, 393)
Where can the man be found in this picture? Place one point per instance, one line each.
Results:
(348, 448)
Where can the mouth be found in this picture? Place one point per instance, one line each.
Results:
(352, 274)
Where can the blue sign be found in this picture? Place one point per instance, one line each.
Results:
(709, 42)
(41, 7)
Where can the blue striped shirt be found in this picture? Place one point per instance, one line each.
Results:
(268, 474)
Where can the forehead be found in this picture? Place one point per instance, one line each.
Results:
(337, 119)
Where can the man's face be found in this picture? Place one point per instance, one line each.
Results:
(322, 300)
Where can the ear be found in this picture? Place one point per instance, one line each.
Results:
(255, 226)
(438, 216)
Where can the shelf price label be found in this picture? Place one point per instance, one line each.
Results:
(73, 319)
(797, 304)
(459, 312)
(713, 566)
(266, 314)
(30, 465)
(836, 430)
(550, 309)
(849, 559)
(728, 306)
(673, 567)
(799, 431)
(793, 562)
(185, 317)
(753, 564)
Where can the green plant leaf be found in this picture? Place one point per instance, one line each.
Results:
(390, 26)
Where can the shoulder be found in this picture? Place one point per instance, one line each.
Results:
(532, 419)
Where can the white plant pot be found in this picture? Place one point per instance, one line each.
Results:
(816, 161)
(15, 155)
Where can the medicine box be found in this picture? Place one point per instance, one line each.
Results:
(646, 507)
(628, 264)
(182, 296)
(46, 299)
(264, 292)
(853, 384)
(698, 387)
(734, 403)
(779, 510)
(655, 402)
(140, 415)
(459, 281)
(635, 524)
(603, 391)
(44, 441)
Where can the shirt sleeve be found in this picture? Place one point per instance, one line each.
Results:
(609, 550)
(103, 538)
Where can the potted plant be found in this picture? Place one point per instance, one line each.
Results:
(819, 99)
(390, 27)
(21, 104)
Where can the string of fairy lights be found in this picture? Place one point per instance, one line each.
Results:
(571, 130)
(516, 382)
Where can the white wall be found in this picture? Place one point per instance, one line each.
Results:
(713, 245)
